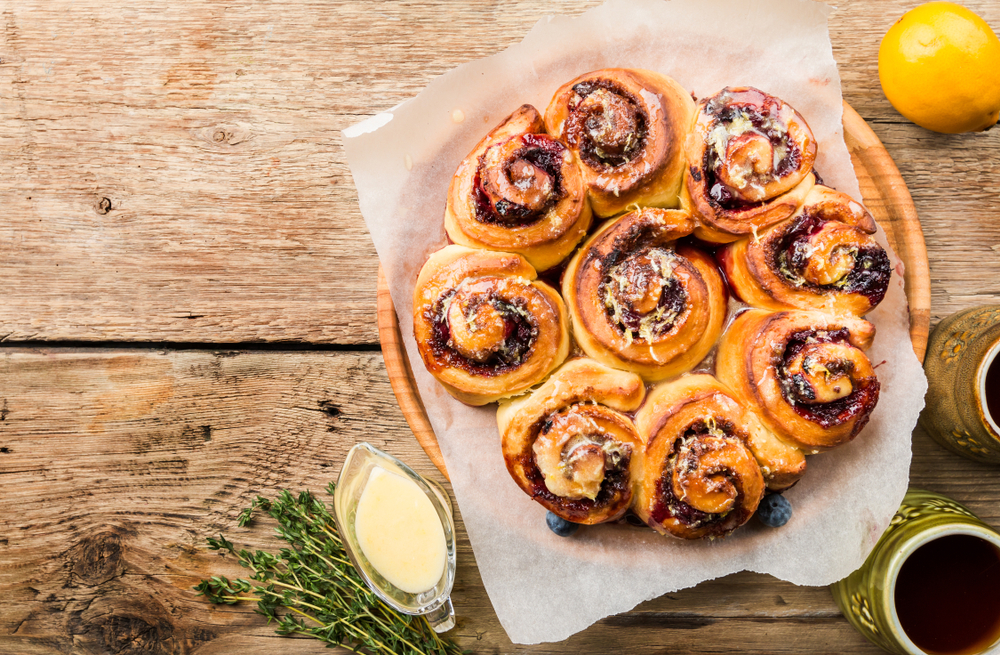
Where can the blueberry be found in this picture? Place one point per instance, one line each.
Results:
(560, 526)
(774, 510)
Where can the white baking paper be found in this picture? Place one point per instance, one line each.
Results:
(543, 587)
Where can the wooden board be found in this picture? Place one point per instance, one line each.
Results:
(885, 194)
(115, 465)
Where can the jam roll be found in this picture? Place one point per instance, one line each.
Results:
(640, 302)
(568, 444)
(627, 128)
(519, 191)
(805, 372)
(698, 476)
(824, 257)
(485, 327)
(749, 163)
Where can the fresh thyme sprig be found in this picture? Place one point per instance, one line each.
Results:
(313, 588)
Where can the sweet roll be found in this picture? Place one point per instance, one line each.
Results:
(627, 128)
(805, 372)
(639, 301)
(484, 326)
(698, 476)
(824, 258)
(569, 445)
(519, 191)
(749, 163)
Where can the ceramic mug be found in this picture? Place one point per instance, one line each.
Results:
(868, 597)
(960, 352)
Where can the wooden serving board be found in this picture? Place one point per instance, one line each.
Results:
(884, 193)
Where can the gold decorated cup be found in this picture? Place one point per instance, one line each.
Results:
(932, 583)
(963, 377)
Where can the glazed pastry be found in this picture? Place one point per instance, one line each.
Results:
(569, 446)
(485, 327)
(627, 127)
(640, 302)
(750, 159)
(824, 257)
(519, 191)
(698, 476)
(805, 372)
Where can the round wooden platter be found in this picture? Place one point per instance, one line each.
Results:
(885, 194)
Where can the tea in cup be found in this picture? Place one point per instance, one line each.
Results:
(932, 583)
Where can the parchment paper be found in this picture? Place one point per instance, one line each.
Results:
(543, 587)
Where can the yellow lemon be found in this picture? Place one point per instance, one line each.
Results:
(940, 67)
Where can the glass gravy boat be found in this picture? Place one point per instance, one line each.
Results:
(433, 604)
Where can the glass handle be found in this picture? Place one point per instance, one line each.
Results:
(442, 617)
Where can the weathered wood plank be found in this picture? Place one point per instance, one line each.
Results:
(115, 465)
(175, 173)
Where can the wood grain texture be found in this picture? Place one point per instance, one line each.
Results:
(115, 465)
(175, 172)
(884, 193)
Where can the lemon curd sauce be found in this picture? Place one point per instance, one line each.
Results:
(400, 533)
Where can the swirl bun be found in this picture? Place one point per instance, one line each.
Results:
(805, 372)
(641, 303)
(485, 327)
(750, 158)
(627, 128)
(698, 476)
(569, 446)
(519, 191)
(822, 258)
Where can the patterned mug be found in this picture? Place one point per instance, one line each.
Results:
(868, 597)
(960, 353)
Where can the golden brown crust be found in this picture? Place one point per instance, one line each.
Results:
(698, 476)
(640, 303)
(822, 258)
(805, 372)
(627, 127)
(485, 327)
(519, 191)
(749, 163)
(569, 446)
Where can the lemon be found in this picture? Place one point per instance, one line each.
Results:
(940, 68)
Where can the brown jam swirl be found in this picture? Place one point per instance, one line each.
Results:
(668, 505)
(606, 124)
(868, 277)
(546, 155)
(797, 391)
(762, 118)
(520, 333)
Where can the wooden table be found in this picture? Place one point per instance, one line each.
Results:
(189, 309)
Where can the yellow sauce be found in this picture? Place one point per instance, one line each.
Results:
(400, 532)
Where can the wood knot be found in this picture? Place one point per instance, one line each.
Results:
(331, 410)
(131, 635)
(100, 557)
(103, 206)
(129, 620)
(224, 135)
